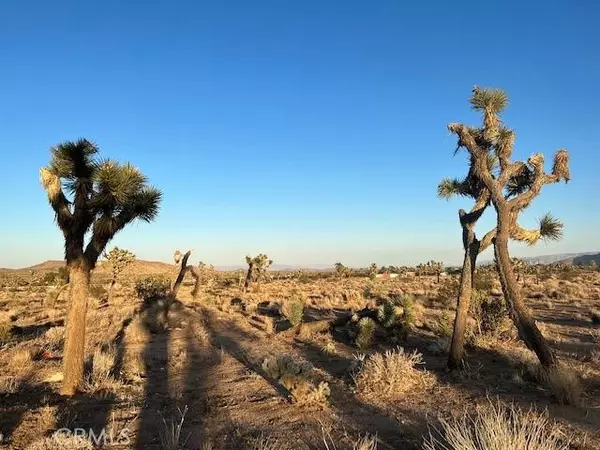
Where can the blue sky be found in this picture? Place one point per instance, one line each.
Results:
(314, 131)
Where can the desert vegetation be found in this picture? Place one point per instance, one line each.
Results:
(151, 355)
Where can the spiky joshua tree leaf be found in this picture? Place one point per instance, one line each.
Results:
(551, 228)
(452, 187)
(495, 100)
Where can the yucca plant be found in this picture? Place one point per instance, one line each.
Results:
(118, 259)
(511, 188)
(102, 197)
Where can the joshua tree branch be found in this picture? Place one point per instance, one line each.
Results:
(540, 179)
(480, 160)
(487, 240)
(56, 197)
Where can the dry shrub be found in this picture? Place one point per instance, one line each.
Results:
(63, 442)
(47, 416)
(564, 384)
(135, 367)
(137, 332)
(55, 337)
(277, 366)
(152, 287)
(297, 377)
(497, 427)
(595, 316)
(392, 373)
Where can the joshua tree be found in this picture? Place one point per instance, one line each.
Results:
(341, 270)
(257, 268)
(519, 266)
(511, 189)
(181, 269)
(118, 259)
(436, 267)
(103, 197)
(373, 270)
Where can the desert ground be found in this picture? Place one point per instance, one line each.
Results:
(228, 369)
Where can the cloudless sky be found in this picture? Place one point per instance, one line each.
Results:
(311, 130)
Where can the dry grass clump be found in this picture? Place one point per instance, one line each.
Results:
(366, 442)
(297, 378)
(497, 427)
(101, 378)
(264, 442)
(47, 416)
(392, 373)
(21, 360)
(564, 384)
(5, 332)
(9, 385)
(61, 441)
(170, 431)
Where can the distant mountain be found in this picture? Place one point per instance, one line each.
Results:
(564, 258)
(584, 260)
(143, 267)
(140, 266)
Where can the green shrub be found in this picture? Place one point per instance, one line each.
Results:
(445, 324)
(97, 291)
(483, 281)
(387, 314)
(50, 277)
(366, 333)
(293, 310)
(488, 312)
(61, 276)
(448, 292)
(152, 287)
(407, 303)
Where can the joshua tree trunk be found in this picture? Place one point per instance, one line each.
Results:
(73, 359)
(525, 323)
(464, 298)
(182, 269)
(111, 288)
(249, 275)
(196, 273)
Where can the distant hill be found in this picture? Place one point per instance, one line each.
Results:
(565, 258)
(584, 260)
(140, 266)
